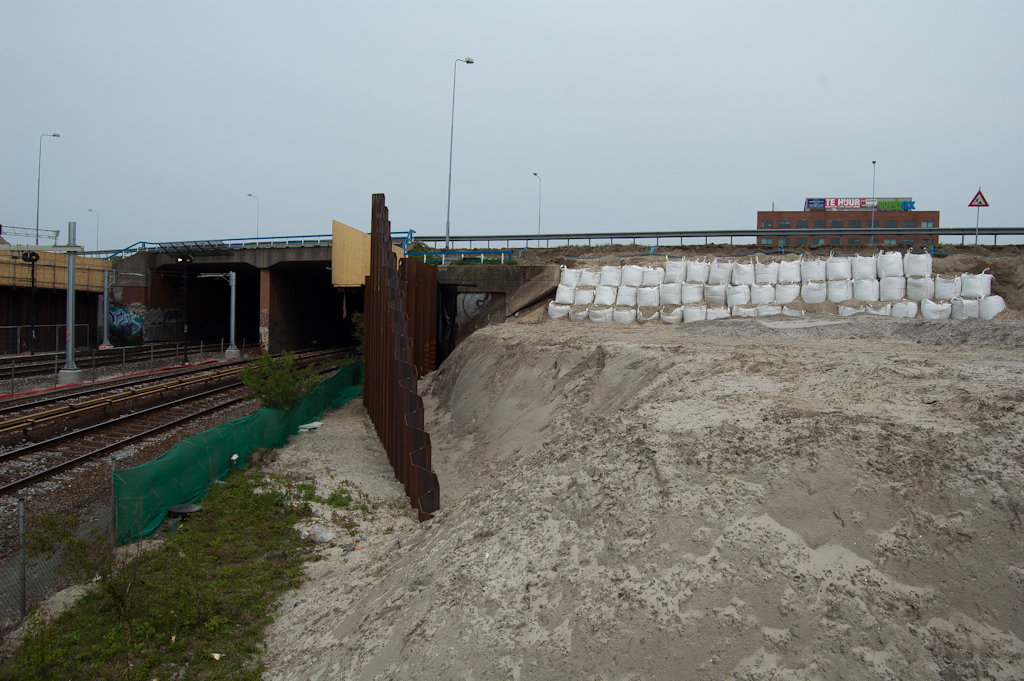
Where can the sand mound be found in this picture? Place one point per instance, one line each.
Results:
(731, 499)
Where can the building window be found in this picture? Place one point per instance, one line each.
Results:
(766, 241)
(818, 241)
(854, 224)
(873, 224)
(927, 224)
(819, 224)
(909, 224)
(837, 224)
(909, 241)
(801, 242)
(766, 224)
(890, 224)
(784, 241)
(872, 240)
(926, 241)
(801, 224)
(783, 224)
(836, 240)
(891, 242)
(854, 240)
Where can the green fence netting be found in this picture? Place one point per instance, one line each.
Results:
(184, 473)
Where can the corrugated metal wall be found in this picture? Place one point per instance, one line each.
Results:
(399, 332)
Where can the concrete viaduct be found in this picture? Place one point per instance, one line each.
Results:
(292, 295)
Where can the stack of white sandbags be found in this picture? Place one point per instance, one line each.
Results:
(889, 283)
(976, 299)
(839, 275)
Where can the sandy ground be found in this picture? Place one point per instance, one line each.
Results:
(813, 498)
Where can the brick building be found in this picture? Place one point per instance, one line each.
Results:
(828, 223)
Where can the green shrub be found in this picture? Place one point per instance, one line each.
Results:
(357, 330)
(276, 381)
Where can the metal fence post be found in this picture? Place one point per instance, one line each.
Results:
(113, 496)
(21, 536)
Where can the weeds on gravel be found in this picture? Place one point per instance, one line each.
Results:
(199, 602)
(349, 505)
(340, 497)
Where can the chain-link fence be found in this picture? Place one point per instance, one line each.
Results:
(50, 539)
(15, 340)
(34, 561)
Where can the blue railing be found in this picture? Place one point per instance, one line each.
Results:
(404, 238)
(231, 244)
(444, 257)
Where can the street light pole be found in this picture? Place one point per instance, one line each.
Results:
(540, 195)
(39, 176)
(184, 260)
(70, 373)
(451, 146)
(873, 202)
(257, 214)
(90, 210)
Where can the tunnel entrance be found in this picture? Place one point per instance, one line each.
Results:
(289, 306)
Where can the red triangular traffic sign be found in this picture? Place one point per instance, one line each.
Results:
(978, 201)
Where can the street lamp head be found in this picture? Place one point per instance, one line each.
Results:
(468, 60)
(536, 174)
(56, 134)
(248, 194)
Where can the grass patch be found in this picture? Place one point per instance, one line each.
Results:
(339, 498)
(163, 613)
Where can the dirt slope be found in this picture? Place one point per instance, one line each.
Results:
(727, 499)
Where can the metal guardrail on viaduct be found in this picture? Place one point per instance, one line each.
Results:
(708, 235)
(668, 238)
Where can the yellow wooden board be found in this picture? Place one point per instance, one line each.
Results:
(52, 271)
(350, 255)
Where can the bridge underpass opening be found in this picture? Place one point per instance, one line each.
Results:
(303, 309)
(306, 311)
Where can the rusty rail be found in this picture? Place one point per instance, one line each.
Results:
(400, 323)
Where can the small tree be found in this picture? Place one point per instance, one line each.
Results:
(357, 330)
(276, 381)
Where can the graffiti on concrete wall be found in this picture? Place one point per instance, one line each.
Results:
(160, 325)
(125, 324)
(264, 328)
(134, 324)
(469, 305)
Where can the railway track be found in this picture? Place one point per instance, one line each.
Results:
(53, 435)
(24, 366)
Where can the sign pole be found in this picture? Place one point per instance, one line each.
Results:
(977, 221)
(978, 202)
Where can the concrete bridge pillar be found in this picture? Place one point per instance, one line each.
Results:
(266, 290)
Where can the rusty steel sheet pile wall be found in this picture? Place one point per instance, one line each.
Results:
(419, 290)
(390, 354)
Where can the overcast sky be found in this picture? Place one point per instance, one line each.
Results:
(636, 115)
